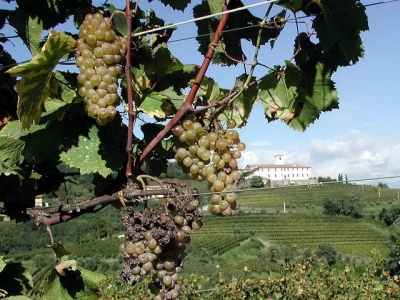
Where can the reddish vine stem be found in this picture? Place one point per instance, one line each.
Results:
(132, 117)
(187, 105)
(48, 229)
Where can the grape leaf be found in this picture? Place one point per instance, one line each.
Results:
(178, 76)
(241, 107)
(298, 98)
(28, 28)
(230, 45)
(35, 84)
(156, 105)
(101, 151)
(341, 27)
(156, 163)
(50, 12)
(179, 5)
(293, 5)
(279, 92)
(76, 284)
(175, 98)
(60, 250)
(320, 95)
(210, 91)
(2, 263)
(11, 151)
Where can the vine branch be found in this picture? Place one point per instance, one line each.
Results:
(187, 105)
(43, 215)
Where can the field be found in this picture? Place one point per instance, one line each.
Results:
(298, 197)
(243, 245)
(346, 234)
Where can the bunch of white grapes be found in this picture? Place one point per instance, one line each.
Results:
(211, 156)
(99, 50)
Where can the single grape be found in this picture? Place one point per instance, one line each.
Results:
(218, 185)
(231, 123)
(187, 124)
(241, 146)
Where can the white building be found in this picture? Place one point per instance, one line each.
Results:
(280, 173)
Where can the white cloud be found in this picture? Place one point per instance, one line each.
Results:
(357, 154)
(260, 143)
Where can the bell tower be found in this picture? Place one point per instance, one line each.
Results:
(279, 159)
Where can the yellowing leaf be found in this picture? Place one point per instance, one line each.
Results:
(35, 84)
(156, 105)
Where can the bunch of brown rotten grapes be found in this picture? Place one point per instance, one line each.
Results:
(155, 243)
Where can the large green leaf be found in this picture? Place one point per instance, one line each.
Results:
(28, 28)
(178, 76)
(102, 151)
(35, 85)
(339, 22)
(50, 12)
(230, 45)
(11, 151)
(76, 284)
(298, 97)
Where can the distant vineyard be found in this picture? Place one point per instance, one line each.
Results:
(273, 198)
(218, 243)
(346, 234)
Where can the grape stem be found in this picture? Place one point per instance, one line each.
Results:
(131, 113)
(190, 98)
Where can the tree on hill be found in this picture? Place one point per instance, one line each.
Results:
(326, 179)
(257, 182)
(389, 215)
(327, 252)
(167, 109)
(346, 204)
(383, 185)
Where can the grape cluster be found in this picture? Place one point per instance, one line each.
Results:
(211, 155)
(99, 50)
(155, 243)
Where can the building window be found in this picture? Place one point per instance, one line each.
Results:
(297, 175)
(302, 175)
(275, 175)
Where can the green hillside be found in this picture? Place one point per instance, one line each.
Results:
(346, 234)
(298, 196)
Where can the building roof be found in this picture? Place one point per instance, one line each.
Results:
(264, 166)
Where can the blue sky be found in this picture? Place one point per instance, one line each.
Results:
(360, 139)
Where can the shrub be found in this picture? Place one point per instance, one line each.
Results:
(327, 252)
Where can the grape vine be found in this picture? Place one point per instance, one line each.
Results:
(199, 129)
